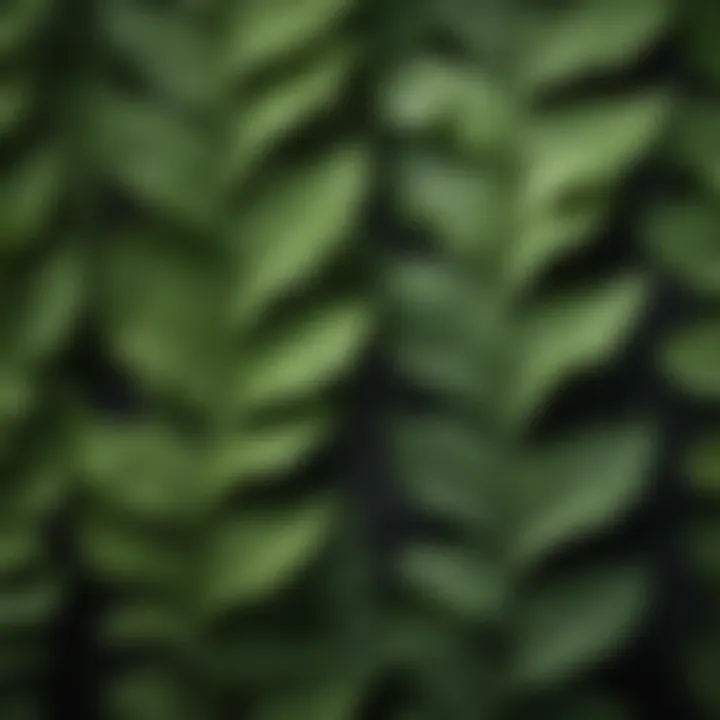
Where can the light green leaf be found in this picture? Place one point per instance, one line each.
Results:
(691, 359)
(418, 97)
(550, 235)
(256, 557)
(574, 334)
(454, 580)
(568, 626)
(282, 108)
(263, 32)
(578, 486)
(296, 227)
(442, 98)
(458, 205)
(257, 455)
(595, 35)
(300, 361)
(588, 148)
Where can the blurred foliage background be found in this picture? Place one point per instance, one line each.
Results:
(359, 359)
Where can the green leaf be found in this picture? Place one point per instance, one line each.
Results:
(144, 471)
(43, 487)
(164, 46)
(552, 233)
(20, 21)
(29, 605)
(435, 344)
(298, 362)
(579, 486)
(684, 239)
(169, 330)
(574, 334)
(433, 98)
(130, 556)
(460, 206)
(588, 148)
(595, 35)
(697, 147)
(445, 469)
(702, 464)
(18, 394)
(51, 305)
(265, 32)
(570, 625)
(251, 559)
(156, 156)
(691, 359)
(258, 455)
(456, 581)
(29, 195)
(419, 96)
(276, 111)
(296, 227)
(17, 95)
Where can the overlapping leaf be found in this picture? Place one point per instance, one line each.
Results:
(505, 186)
(212, 298)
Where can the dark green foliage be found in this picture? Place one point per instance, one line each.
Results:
(188, 196)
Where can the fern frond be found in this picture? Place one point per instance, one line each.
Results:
(504, 179)
(242, 181)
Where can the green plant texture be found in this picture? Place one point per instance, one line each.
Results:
(507, 180)
(682, 237)
(337, 380)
